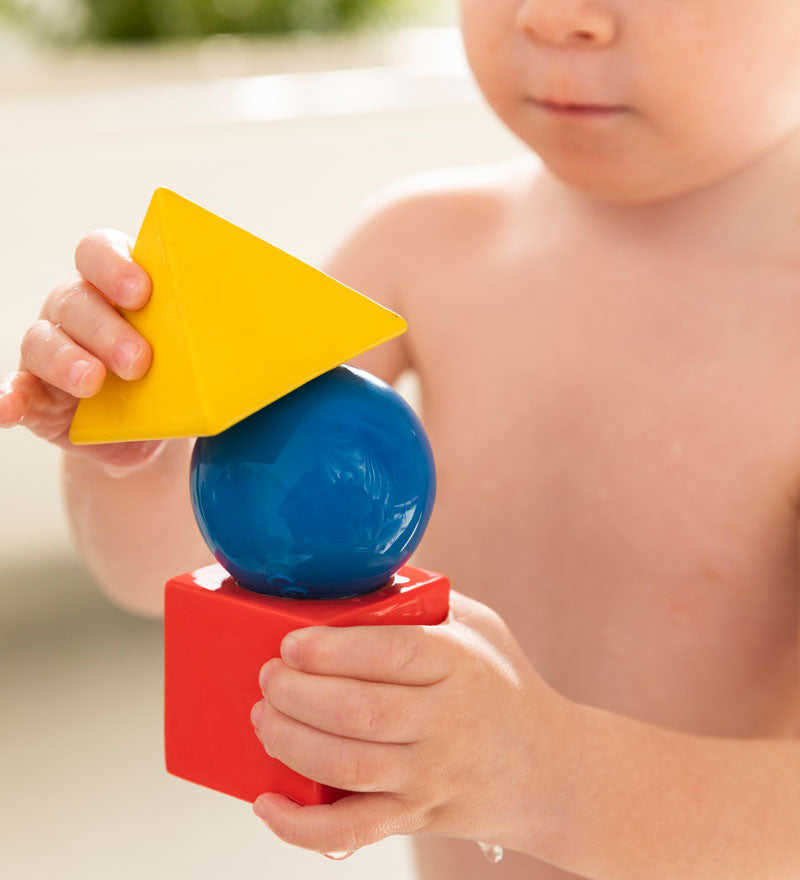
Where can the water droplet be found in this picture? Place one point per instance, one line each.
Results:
(339, 856)
(492, 852)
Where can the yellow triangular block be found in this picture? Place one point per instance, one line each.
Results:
(234, 323)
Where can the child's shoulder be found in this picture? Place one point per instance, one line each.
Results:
(426, 217)
(417, 230)
(449, 199)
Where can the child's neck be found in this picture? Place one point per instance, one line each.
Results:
(754, 211)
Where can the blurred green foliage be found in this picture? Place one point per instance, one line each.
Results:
(140, 20)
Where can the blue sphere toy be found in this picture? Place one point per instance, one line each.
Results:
(324, 493)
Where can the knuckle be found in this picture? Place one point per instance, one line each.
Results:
(294, 832)
(271, 734)
(289, 828)
(102, 254)
(33, 337)
(29, 339)
(403, 651)
(426, 781)
(428, 820)
(493, 618)
(413, 818)
(117, 241)
(67, 300)
(345, 835)
(417, 768)
(318, 653)
(348, 768)
(420, 819)
(339, 765)
(89, 244)
(277, 691)
(51, 300)
(85, 248)
(363, 714)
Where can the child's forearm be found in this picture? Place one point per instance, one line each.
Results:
(135, 531)
(651, 803)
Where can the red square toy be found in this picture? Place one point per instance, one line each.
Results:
(217, 637)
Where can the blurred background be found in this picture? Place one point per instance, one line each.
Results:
(283, 116)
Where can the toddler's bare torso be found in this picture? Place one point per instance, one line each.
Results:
(617, 435)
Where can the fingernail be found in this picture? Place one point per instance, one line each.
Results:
(125, 353)
(129, 291)
(256, 713)
(290, 649)
(78, 372)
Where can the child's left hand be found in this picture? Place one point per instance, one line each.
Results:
(444, 730)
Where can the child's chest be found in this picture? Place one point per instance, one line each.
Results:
(618, 460)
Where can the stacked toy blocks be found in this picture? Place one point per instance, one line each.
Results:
(236, 324)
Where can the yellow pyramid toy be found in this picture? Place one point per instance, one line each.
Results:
(234, 324)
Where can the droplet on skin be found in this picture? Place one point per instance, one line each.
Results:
(492, 852)
(339, 856)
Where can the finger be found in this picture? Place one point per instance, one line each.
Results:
(345, 826)
(25, 399)
(92, 322)
(13, 401)
(477, 616)
(104, 258)
(404, 654)
(49, 353)
(375, 712)
(48, 412)
(337, 761)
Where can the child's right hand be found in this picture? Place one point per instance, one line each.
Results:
(80, 335)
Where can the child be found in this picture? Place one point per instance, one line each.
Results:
(609, 352)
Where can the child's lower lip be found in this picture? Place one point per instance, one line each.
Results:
(577, 111)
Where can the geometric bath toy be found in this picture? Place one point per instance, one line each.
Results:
(234, 323)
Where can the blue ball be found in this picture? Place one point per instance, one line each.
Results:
(324, 493)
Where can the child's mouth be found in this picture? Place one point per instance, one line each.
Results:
(569, 109)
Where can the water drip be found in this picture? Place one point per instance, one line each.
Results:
(493, 853)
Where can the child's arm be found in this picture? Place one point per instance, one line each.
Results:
(135, 528)
(450, 731)
(650, 802)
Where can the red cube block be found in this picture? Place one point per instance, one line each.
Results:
(217, 637)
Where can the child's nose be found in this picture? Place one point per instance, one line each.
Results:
(568, 22)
